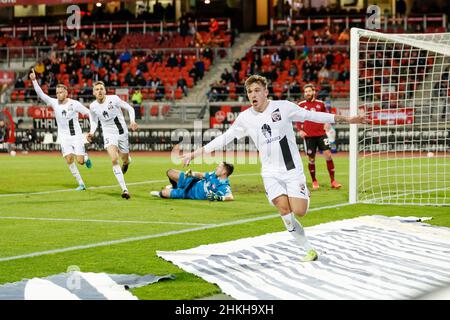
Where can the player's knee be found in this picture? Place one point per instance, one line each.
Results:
(114, 161)
(165, 193)
(312, 160)
(69, 159)
(300, 212)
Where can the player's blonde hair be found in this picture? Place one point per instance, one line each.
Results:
(309, 85)
(256, 79)
(97, 83)
(60, 85)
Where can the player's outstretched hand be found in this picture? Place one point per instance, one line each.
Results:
(358, 119)
(89, 137)
(32, 75)
(186, 158)
(134, 126)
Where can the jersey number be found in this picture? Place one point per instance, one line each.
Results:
(326, 142)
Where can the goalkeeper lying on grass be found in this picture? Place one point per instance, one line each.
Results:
(213, 186)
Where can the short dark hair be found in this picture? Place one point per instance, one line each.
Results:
(229, 167)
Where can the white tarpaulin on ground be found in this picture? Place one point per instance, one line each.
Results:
(78, 286)
(370, 257)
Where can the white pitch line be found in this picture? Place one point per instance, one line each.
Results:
(102, 187)
(152, 236)
(105, 221)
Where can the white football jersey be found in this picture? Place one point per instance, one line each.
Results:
(66, 114)
(273, 135)
(110, 115)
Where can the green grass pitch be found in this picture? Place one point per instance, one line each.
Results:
(55, 219)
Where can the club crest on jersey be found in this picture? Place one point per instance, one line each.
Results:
(110, 106)
(105, 114)
(276, 115)
(266, 130)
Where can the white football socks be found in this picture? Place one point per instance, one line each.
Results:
(296, 230)
(73, 168)
(119, 176)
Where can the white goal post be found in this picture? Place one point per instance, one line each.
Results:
(401, 82)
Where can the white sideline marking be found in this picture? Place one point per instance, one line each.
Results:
(104, 187)
(105, 221)
(152, 236)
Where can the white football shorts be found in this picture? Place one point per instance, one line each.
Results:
(118, 140)
(293, 187)
(72, 145)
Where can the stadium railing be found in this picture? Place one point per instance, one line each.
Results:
(122, 26)
(387, 23)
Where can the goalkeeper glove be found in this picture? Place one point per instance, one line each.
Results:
(214, 197)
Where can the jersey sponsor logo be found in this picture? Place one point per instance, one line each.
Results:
(276, 115)
(266, 130)
(64, 113)
(105, 114)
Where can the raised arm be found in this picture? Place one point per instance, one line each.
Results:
(235, 131)
(300, 114)
(38, 89)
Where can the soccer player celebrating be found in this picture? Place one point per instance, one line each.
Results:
(108, 109)
(315, 136)
(269, 125)
(69, 131)
(213, 186)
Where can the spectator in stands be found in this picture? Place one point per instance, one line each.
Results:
(74, 79)
(172, 61)
(160, 92)
(181, 61)
(19, 83)
(294, 90)
(4, 132)
(125, 56)
(344, 75)
(323, 74)
(198, 40)
(213, 27)
(184, 26)
(28, 138)
(293, 70)
(344, 37)
(200, 67)
(181, 83)
(87, 72)
(154, 83)
(275, 58)
(136, 98)
(85, 92)
(290, 41)
(400, 8)
(226, 76)
(130, 79)
(208, 54)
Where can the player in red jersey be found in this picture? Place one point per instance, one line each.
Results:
(315, 136)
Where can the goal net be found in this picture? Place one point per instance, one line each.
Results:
(401, 82)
